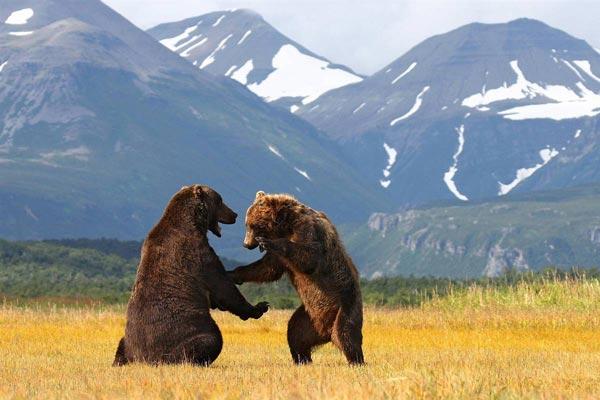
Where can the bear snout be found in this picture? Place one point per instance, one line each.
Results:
(249, 242)
(227, 216)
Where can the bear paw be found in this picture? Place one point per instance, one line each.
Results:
(271, 245)
(260, 309)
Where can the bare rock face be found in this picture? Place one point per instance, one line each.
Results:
(595, 235)
(419, 239)
(380, 222)
(501, 260)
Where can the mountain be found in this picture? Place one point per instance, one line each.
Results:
(241, 45)
(481, 111)
(100, 125)
(559, 228)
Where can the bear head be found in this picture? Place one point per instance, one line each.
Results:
(204, 206)
(271, 216)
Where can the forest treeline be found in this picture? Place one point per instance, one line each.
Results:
(103, 270)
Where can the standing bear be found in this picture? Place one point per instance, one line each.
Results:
(304, 244)
(179, 279)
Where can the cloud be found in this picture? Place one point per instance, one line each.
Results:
(367, 35)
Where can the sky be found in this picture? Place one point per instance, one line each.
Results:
(366, 35)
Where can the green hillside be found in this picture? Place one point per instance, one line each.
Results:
(520, 233)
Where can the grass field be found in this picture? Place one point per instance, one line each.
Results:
(529, 341)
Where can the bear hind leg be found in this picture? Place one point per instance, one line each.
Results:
(120, 358)
(201, 349)
(302, 337)
(347, 336)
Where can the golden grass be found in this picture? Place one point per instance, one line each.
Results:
(470, 345)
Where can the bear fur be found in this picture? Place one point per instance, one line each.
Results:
(304, 244)
(179, 279)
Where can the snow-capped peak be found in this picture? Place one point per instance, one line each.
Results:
(242, 46)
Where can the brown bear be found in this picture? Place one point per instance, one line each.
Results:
(179, 279)
(304, 244)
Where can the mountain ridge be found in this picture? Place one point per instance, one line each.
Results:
(479, 111)
(241, 45)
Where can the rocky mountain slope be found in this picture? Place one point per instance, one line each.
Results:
(241, 45)
(518, 233)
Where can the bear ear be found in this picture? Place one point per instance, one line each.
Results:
(260, 194)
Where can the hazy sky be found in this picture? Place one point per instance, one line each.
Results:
(366, 35)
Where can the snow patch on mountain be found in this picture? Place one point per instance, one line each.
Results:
(546, 155)
(241, 75)
(588, 105)
(391, 160)
(3, 65)
(230, 70)
(244, 37)
(410, 68)
(20, 17)
(357, 109)
(299, 75)
(577, 134)
(187, 42)
(392, 154)
(586, 67)
(520, 90)
(572, 68)
(303, 173)
(189, 50)
(566, 103)
(451, 173)
(211, 58)
(274, 150)
(24, 33)
(171, 43)
(219, 20)
(414, 108)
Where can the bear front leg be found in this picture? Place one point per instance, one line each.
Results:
(304, 254)
(267, 269)
(226, 296)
